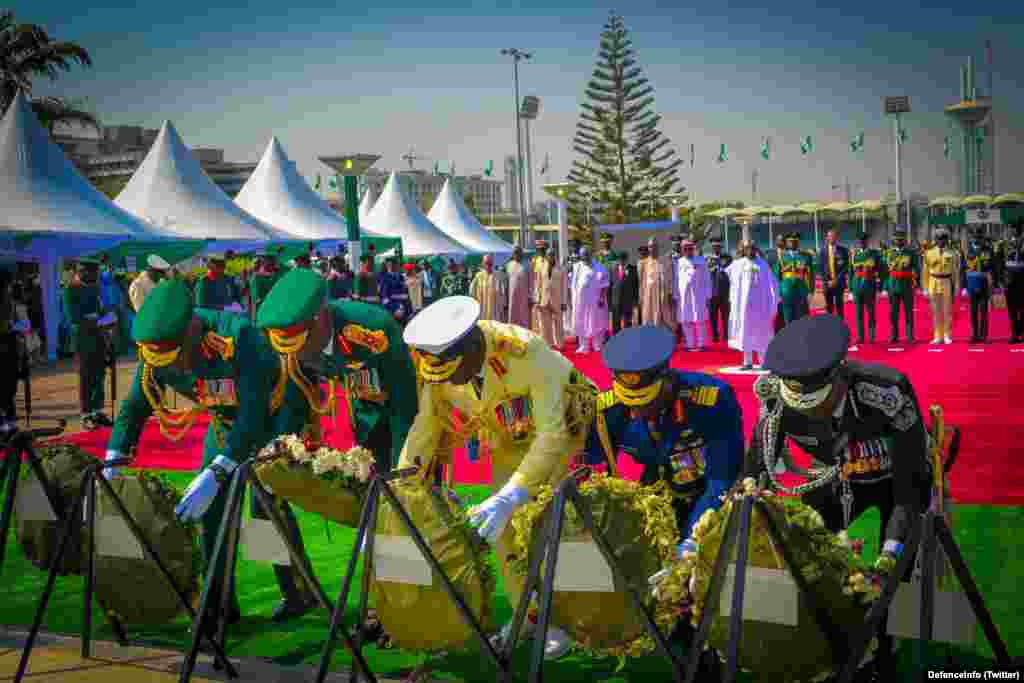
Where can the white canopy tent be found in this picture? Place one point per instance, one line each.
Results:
(396, 215)
(171, 190)
(451, 215)
(49, 212)
(366, 206)
(276, 194)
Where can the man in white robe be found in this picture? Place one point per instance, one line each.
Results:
(590, 302)
(518, 290)
(753, 300)
(694, 291)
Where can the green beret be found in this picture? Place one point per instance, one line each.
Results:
(296, 298)
(165, 314)
(88, 261)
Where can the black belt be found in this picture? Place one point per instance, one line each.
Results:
(941, 277)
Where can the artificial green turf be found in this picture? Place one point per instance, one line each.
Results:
(989, 537)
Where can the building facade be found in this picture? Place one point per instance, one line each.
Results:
(110, 159)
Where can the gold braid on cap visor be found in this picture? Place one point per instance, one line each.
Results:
(288, 344)
(637, 397)
(435, 370)
(794, 398)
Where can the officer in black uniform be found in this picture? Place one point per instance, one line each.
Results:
(861, 424)
(1014, 280)
(977, 276)
(718, 304)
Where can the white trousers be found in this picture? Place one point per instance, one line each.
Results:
(693, 334)
(588, 343)
(748, 357)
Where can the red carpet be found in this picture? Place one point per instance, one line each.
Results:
(973, 383)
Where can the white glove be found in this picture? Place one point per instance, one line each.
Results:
(108, 319)
(963, 292)
(201, 492)
(655, 583)
(22, 326)
(110, 472)
(492, 516)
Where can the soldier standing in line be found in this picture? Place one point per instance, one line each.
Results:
(795, 281)
(83, 311)
(1014, 282)
(901, 262)
(865, 266)
(977, 284)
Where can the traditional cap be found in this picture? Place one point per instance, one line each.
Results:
(643, 249)
(540, 244)
(162, 321)
(715, 240)
(294, 300)
(689, 243)
(157, 263)
(676, 239)
(436, 332)
(941, 232)
(638, 357)
(606, 237)
(793, 236)
(806, 355)
(900, 233)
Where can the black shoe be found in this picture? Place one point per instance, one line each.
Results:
(102, 420)
(290, 609)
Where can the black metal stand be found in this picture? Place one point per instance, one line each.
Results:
(18, 444)
(381, 486)
(547, 555)
(737, 532)
(91, 478)
(930, 532)
(226, 546)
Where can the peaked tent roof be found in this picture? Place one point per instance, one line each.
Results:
(276, 194)
(395, 215)
(171, 190)
(366, 206)
(451, 215)
(43, 193)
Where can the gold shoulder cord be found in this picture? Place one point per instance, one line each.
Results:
(606, 444)
(288, 347)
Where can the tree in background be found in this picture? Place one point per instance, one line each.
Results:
(624, 160)
(26, 53)
(111, 186)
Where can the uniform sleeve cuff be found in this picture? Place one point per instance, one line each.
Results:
(892, 547)
(225, 462)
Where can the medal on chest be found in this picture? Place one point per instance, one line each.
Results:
(687, 460)
(365, 385)
(216, 392)
(515, 416)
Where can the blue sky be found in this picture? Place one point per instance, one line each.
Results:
(341, 78)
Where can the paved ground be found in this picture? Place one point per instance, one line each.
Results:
(57, 659)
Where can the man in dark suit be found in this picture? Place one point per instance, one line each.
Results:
(834, 265)
(625, 290)
(718, 304)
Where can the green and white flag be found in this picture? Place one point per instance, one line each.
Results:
(546, 165)
(451, 169)
(806, 145)
(332, 183)
(723, 154)
(980, 135)
(766, 149)
(903, 135)
(489, 169)
(857, 143)
(437, 168)
(945, 147)
(317, 186)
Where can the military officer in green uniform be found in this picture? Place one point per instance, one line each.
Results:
(901, 267)
(606, 257)
(364, 349)
(865, 274)
(367, 287)
(454, 282)
(796, 278)
(83, 311)
(215, 289)
(977, 274)
(226, 367)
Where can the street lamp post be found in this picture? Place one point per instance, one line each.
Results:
(896, 106)
(351, 167)
(517, 55)
(528, 112)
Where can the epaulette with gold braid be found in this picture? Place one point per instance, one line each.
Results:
(606, 399)
(510, 345)
(704, 395)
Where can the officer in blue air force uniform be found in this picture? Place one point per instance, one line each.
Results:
(684, 427)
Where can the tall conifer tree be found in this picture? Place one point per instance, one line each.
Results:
(624, 160)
